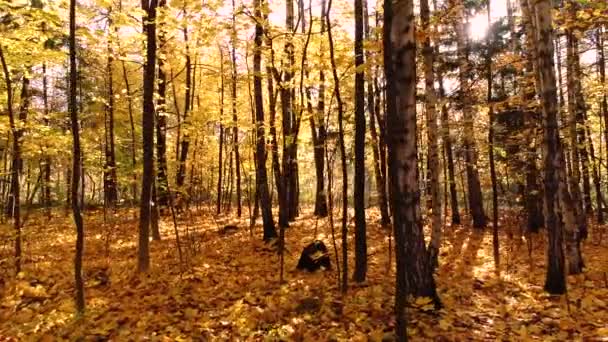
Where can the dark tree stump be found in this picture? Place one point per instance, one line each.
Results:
(229, 229)
(314, 256)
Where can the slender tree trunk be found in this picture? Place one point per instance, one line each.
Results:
(143, 260)
(447, 146)
(46, 190)
(470, 153)
(110, 186)
(602, 74)
(220, 159)
(595, 173)
(319, 135)
(269, 229)
(76, 165)
(276, 166)
(342, 147)
(288, 124)
(573, 108)
(185, 139)
(432, 138)
(359, 181)
(125, 75)
(13, 208)
(495, 242)
(235, 129)
(161, 179)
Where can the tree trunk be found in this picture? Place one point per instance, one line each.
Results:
(414, 275)
(185, 139)
(342, 147)
(595, 174)
(149, 20)
(319, 136)
(220, 160)
(235, 128)
(161, 179)
(602, 73)
(529, 87)
(495, 242)
(474, 187)
(76, 165)
(359, 181)
(432, 138)
(261, 178)
(109, 184)
(272, 73)
(46, 190)
(555, 281)
(573, 111)
(447, 146)
(13, 207)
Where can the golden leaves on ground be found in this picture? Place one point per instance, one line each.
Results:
(229, 288)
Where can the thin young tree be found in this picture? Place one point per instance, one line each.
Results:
(149, 26)
(161, 180)
(495, 242)
(470, 147)
(235, 127)
(359, 181)
(432, 134)
(373, 107)
(261, 178)
(340, 104)
(76, 164)
(109, 178)
(319, 135)
(13, 207)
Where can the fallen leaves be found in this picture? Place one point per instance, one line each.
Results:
(230, 290)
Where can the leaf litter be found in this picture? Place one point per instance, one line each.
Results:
(227, 288)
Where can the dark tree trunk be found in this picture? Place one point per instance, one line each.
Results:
(529, 88)
(595, 174)
(109, 178)
(276, 166)
(318, 138)
(495, 242)
(602, 73)
(261, 178)
(414, 275)
(470, 147)
(235, 129)
(46, 189)
(221, 138)
(342, 147)
(13, 208)
(76, 165)
(143, 259)
(185, 139)
(555, 281)
(447, 146)
(131, 125)
(359, 181)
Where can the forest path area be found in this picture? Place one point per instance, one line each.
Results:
(227, 286)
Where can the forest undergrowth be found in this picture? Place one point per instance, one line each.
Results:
(227, 286)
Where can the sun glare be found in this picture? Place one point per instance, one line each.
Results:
(478, 26)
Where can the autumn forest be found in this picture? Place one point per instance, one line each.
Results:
(303, 170)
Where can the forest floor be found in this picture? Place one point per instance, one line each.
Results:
(227, 286)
